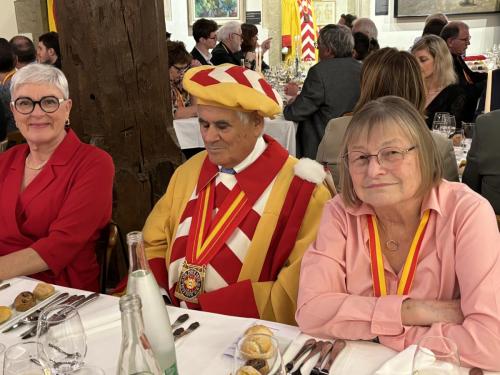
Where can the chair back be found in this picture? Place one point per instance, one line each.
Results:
(105, 247)
(3, 145)
(492, 100)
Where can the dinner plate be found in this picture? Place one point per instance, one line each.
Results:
(7, 297)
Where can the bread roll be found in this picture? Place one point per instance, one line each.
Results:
(257, 346)
(43, 291)
(247, 370)
(24, 301)
(259, 328)
(5, 314)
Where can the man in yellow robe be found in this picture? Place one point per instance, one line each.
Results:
(229, 234)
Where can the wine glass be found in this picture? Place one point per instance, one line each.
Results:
(436, 355)
(439, 122)
(22, 359)
(62, 339)
(259, 351)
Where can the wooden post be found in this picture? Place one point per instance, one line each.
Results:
(114, 54)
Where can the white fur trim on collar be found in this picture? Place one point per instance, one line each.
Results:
(310, 170)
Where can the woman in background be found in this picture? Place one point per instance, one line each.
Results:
(179, 61)
(249, 44)
(442, 94)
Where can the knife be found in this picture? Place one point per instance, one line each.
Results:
(82, 301)
(180, 332)
(338, 346)
(61, 298)
(324, 353)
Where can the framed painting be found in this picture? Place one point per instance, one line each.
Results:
(220, 11)
(413, 8)
(324, 11)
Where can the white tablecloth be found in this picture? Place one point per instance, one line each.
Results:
(189, 136)
(202, 351)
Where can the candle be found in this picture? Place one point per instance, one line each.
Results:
(489, 88)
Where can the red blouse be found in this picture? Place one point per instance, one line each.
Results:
(61, 212)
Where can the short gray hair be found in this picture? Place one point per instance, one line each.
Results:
(227, 29)
(365, 26)
(40, 74)
(338, 39)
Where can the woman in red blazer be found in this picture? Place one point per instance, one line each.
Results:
(55, 191)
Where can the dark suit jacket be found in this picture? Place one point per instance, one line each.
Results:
(482, 172)
(330, 90)
(473, 90)
(222, 55)
(198, 56)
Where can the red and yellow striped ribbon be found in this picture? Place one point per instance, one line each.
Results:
(207, 236)
(377, 263)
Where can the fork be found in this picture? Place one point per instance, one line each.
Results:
(316, 350)
(33, 317)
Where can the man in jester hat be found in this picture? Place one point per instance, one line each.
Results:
(229, 234)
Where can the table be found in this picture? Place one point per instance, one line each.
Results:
(189, 136)
(202, 351)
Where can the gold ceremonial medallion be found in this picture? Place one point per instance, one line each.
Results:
(191, 282)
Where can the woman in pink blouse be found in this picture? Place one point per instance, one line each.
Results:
(401, 253)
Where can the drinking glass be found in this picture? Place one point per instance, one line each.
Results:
(468, 130)
(22, 359)
(62, 339)
(436, 355)
(269, 362)
(439, 122)
(89, 370)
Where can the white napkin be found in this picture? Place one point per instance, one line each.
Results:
(106, 318)
(400, 364)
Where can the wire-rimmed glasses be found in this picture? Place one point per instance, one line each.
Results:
(26, 105)
(387, 157)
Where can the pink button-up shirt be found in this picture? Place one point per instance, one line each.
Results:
(459, 258)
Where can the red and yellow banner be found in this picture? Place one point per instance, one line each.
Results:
(51, 15)
(377, 263)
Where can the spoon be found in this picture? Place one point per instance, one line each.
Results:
(181, 319)
(180, 332)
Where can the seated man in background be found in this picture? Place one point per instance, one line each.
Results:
(457, 37)
(230, 39)
(229, 234)
(24, 50)
(48, 51)
(482, 173)
(205, 36)
(330, 89)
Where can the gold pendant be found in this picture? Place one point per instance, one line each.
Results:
(191, 282)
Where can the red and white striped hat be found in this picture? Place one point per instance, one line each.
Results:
(234, 87)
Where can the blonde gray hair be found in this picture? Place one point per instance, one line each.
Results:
(443, 62)
(394, 112)
(41, 74)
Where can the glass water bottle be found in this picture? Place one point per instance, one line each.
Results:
(142, 282)
(136, 355)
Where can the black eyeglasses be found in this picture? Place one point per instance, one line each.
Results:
(237, 34)
(181, 70)
(48, 104)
